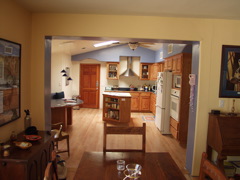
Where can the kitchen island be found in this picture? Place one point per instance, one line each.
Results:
(116, 107)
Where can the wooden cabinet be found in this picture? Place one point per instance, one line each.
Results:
(177, 63)
(144, 101)
(181, 66)
(174, 127)
(135, 101)
(116, 108)
(155, 68)
(112, 70)
(168, 64)
(161, 66)
(153, 103)
(145, 70)
(223, 136)
(27, 164)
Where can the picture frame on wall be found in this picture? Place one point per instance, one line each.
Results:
(230, 72)
(10, 60)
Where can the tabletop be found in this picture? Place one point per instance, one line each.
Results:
(102, 166)
(64, 103)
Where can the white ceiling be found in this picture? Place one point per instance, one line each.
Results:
(221, 9)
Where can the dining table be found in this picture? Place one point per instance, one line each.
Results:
(103, 166)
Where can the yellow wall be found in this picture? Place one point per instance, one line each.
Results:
(211, 34)
(16, 27)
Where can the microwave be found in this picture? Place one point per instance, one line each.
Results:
(177, 81)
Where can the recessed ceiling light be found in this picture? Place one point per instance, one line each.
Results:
(104, 43)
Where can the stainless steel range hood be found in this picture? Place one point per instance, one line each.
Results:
(129, 71)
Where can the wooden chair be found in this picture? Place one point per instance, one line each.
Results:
(124, 130)
(209, 169)
(51, 169)
(59, 136)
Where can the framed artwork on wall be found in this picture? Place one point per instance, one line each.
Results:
(10, 60)
(230, 72)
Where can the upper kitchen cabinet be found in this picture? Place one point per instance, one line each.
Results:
(112, 70)
(177, 63)
(155, 68)
(145, 70)
(168, 64)
(161, 66)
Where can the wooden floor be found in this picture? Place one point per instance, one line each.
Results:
(86, 134)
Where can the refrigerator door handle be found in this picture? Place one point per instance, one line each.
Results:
(159, 106)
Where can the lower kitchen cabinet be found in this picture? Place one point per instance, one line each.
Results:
(144, 101)
(135, 101)
(174, 128)
(153, 103)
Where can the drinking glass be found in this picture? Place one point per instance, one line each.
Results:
(120, 165)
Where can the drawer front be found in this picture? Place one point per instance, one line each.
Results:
(145, 93)
(134, 94)
(174, 132)
(174, 123)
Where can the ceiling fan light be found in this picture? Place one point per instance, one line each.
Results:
(133, 46)
(104, 43)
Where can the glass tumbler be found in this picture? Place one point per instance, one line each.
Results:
(120, 165)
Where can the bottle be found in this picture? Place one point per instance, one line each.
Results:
(149, 87)
(27, 119)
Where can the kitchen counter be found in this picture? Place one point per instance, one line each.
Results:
(117, 94)
(120, 91)
(125, 89)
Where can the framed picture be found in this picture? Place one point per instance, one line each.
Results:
(230, 72)
(10, 60)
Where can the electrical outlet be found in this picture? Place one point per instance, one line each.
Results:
(221, 103)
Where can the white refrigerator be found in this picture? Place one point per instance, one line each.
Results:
(162, 118)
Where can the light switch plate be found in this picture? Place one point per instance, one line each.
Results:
(221, 103)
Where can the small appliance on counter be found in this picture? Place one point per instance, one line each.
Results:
(154, 88)
(108, 88)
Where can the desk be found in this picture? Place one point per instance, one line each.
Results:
(27, 164)
(102, 166)
(62, 111)
(223, 136)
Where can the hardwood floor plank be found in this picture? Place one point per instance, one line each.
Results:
(86, 134)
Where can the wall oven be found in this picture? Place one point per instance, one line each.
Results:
(174, 103)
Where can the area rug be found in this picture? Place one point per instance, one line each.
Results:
(148, 118)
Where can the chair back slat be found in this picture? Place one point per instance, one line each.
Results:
(111, 130)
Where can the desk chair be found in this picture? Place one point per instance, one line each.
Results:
(59, 136)
(51, 169)
(117, 130)
(209, 169)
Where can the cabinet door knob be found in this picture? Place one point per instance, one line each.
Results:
(4, 163)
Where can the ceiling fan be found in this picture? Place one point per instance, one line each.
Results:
(134, 45)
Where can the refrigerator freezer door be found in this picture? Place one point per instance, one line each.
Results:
(161, 84)
(162, 120)
(159, 118)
